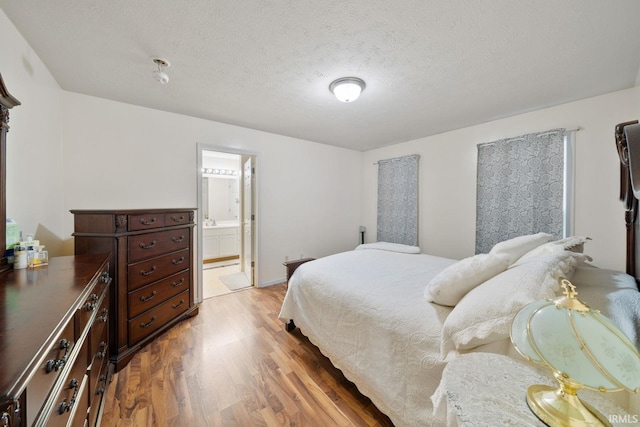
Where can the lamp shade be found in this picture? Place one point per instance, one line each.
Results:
(347, 89)
(583, 348)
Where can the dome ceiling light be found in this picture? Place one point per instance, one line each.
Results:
(347, 89)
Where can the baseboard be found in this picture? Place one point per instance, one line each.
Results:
(224, 258)
(272, 282)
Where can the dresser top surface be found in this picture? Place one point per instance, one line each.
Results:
(35, 304)
(129, 211)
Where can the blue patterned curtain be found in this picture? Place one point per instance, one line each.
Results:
(398, 200)
(520, 188)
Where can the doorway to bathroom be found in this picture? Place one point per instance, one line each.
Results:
(226, 221)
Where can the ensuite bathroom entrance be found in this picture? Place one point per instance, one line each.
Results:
(226, 227)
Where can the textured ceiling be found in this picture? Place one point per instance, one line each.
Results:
(430, 66)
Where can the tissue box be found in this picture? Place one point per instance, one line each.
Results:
(13, 234)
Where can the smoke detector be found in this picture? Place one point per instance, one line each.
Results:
(159, 74)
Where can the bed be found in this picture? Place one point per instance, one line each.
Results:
(391, 318)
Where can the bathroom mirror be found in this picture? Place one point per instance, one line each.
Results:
(220, 198)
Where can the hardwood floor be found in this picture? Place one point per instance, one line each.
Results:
(234, 365)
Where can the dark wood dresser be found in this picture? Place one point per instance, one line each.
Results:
(53, 342)
(152, 269)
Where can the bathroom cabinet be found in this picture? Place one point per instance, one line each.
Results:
(220, 241)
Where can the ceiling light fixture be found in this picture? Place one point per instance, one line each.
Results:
(160, 75)
(347, 89)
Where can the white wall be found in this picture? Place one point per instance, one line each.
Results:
(34, 141)
(121, 156)
(448, 176)
(69, 151)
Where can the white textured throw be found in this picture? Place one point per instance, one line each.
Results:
(366, 312)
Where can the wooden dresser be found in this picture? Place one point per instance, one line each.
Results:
(53, 342)
(152, 268)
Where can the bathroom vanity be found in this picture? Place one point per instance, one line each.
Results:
(220, 242)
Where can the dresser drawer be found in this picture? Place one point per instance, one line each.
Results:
(40, 385)
(98, 354)
(147, 297)
(144, 246)
(177, 218)
(90, 305)
(146, 221)
(146, 272)
(84, 313)
(97, 391)
(152, 320)
(73, 397)
(98, 334)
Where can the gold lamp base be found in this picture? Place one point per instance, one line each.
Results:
(561, 407)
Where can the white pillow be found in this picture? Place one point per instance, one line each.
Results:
(452, 283)
(573, 243)
(518, 246)
(485, 314)
(391, 247)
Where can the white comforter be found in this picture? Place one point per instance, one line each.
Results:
(366, 312)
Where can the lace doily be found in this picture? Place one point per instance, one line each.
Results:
(484, 389)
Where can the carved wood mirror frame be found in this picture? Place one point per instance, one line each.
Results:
(7, 102)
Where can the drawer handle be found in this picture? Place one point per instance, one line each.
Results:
(149, 298)
(102, 353)
(90, 306)
(104, 278)
(178, 218)
(5, 420)
(177, 261)
(146, 325)
(176, 284)
(54, 365)
(145, 222)
(177, 239)
(105, 315)
(149, 246)
(179, 304)
(147, 273)
(64, 406)
(103, 380)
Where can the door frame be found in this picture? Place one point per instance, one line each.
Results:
(247, 262)
(200, 147)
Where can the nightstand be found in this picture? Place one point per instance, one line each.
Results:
(486, 389)
(291, 265)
